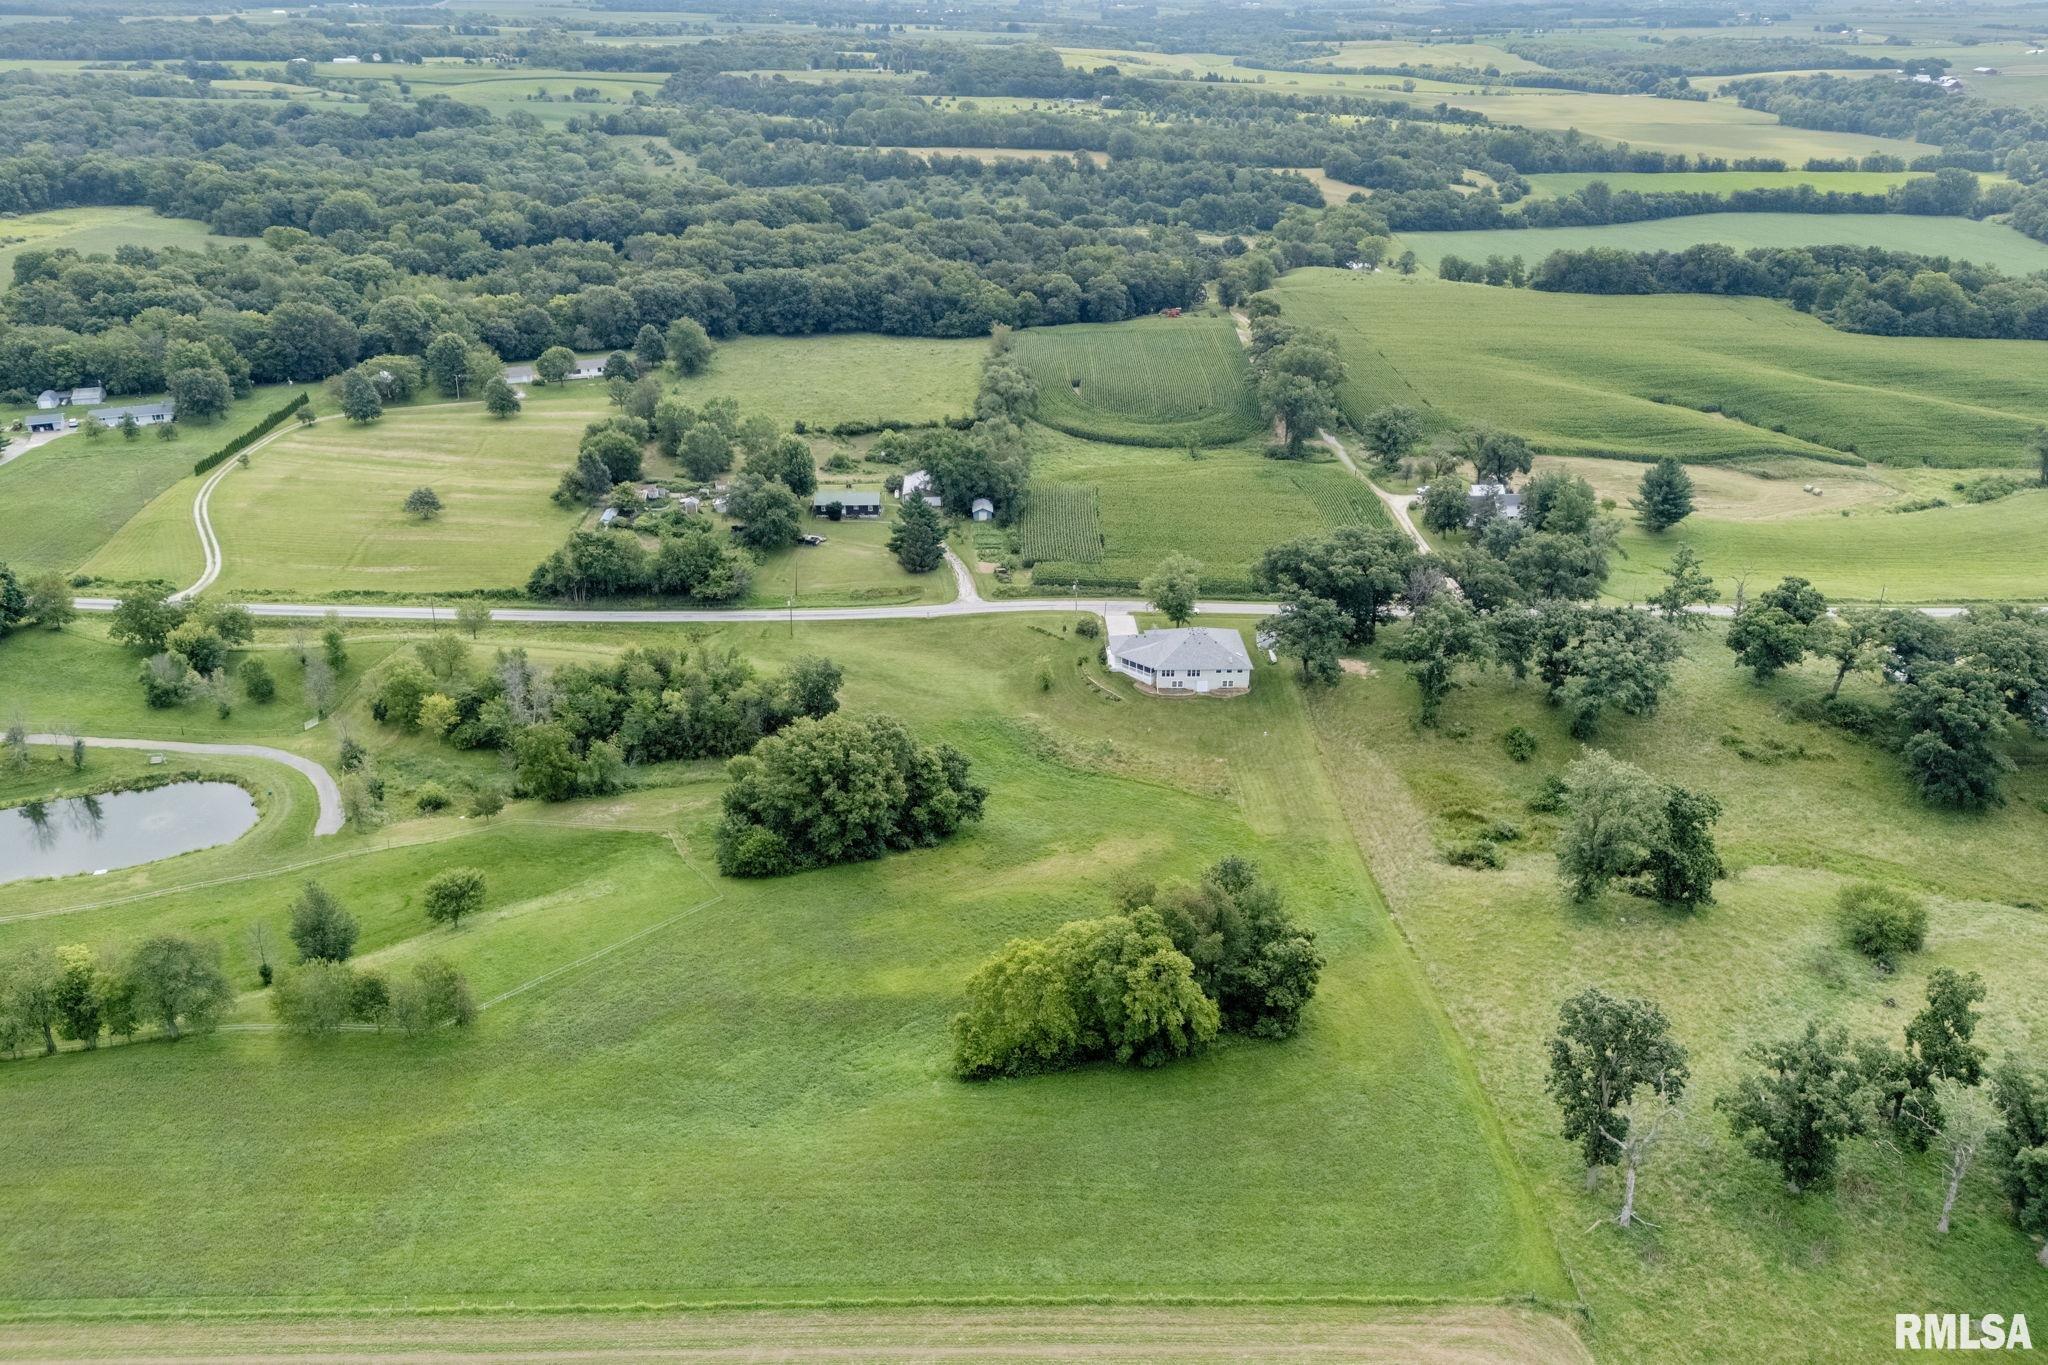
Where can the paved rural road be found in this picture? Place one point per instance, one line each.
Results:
(329, 820)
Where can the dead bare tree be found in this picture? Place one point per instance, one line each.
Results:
(1651, 1117)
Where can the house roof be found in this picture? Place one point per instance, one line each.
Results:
(1201, 647)
(88, 393)
(825, 497)
(142, 412)
(980, 504)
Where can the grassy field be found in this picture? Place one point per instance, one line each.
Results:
(1131, 1336)
(320, 509)
(823, 380)
(1151, 381)
(61, 501)
(852, 568)
(1992, 244)
(1584, 375)
(1224, 509)
(96, 230)
(1711, 128)
(1807, 810)
(757, 1085)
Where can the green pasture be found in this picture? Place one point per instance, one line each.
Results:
(96, 230)
(1806, 811)
(825, 380)
(63, 500)
(1986, 243)
(1586, 375)
(320, 509)
(737, 1091)
(1150, 381)
(1710, 128)
(854, 566)
(1225, 509)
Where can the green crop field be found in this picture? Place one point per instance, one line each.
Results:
(825, 380)
(1224, 509)
(1806, 810)
(709, 1090)
(97, 230)
(1061, 522)
(1629, 376)
(1992, 244)
(61, 501)
(1151, 381)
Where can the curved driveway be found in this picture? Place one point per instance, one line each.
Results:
(329, 820)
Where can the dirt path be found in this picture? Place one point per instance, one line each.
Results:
(1437, 1336)
(1397, 503)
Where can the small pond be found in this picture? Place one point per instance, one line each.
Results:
(99, 833)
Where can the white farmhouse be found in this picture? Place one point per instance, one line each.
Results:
(1193, 661)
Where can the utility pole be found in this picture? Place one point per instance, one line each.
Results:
(795, 577)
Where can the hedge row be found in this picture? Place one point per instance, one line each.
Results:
(252, 435)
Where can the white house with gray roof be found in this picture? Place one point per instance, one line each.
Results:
(1191, 661)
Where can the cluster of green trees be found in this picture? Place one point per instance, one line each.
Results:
(1623, 823)
(1955, 687)
(1619, 1079)
(1296, 372)
(574, 729)
(1858, 289)
(835, 789)
(187, 647)
(321, 992)
(1973, 133)
(45, 600)
(1161, 978)
(169, 983)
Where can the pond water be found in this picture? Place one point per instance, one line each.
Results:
(99, 833)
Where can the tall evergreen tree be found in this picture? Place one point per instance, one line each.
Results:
(918, 540)
(1666, 496)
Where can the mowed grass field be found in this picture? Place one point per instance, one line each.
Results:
(1225, 509)
(100, 230)
(749, 1101)
(320, 509)
(1149, 381)
(61, 501)
(1842, 535)
(824, 380)
(1807, 810)
(1992, 244)
(1577, 374)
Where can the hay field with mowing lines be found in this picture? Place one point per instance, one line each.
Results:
(1992, 244)
(1581, 375)
(99, 231)
(319, 510)
(1224, 509)
(823, 380)
(745, 1103)
(1150, 381)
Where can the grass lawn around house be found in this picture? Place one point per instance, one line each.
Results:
(1150, 381)
(1807, 810)
(1629, 377)
(749, 1098)
(61, 502)
(854, 566)
(1963, 239)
